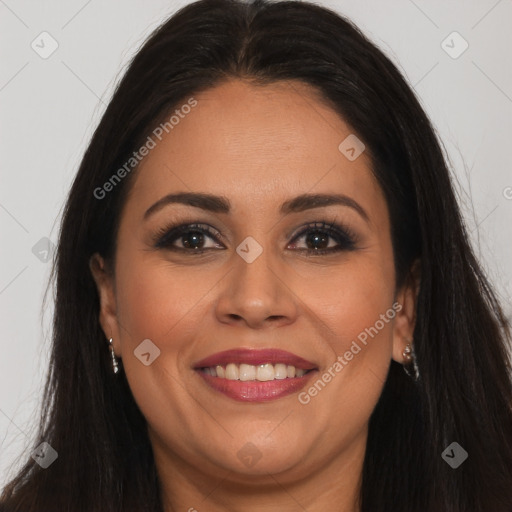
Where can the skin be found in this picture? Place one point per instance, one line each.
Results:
(258, 146)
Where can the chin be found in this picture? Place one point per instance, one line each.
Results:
(261, 456)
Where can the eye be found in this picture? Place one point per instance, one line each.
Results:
(190, 236)
(317, 237)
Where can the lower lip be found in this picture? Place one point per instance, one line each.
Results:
(256, 391)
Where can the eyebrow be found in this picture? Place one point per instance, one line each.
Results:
(221, 204)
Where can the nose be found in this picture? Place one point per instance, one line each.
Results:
(256, 294)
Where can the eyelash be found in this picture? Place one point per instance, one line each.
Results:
(345, 238)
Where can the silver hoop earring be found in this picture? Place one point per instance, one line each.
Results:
(115, 365)
(410, 366)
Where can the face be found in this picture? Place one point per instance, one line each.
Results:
(300, 293)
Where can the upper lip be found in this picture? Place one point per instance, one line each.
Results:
(254, 357)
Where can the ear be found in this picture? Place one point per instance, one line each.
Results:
(405, 319)
(104, 280)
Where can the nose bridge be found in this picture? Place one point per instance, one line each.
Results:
(256, 264)
(254, 270)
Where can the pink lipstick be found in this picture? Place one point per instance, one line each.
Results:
(252, 375)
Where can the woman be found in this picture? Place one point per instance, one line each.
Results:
(262, 236)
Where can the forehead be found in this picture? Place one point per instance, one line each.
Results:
(256, 144)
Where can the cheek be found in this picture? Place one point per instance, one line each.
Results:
(157, 300)
(166, 304)
(356, 306)
(162, 303)
(351, 297)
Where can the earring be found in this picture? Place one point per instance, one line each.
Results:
(115, 365)
(410, 358)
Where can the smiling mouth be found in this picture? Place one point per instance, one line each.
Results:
(260, 373)
(255, 383)
(250, 375)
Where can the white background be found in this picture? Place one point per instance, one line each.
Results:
(49, 108)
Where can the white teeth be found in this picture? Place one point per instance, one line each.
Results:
(265, 372)
(249, 372)
(280, 371)
(232, 372)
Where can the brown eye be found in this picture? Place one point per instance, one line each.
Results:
(317, 237)
(192, 237)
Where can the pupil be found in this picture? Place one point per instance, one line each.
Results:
(316, 238)
(194, 235)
